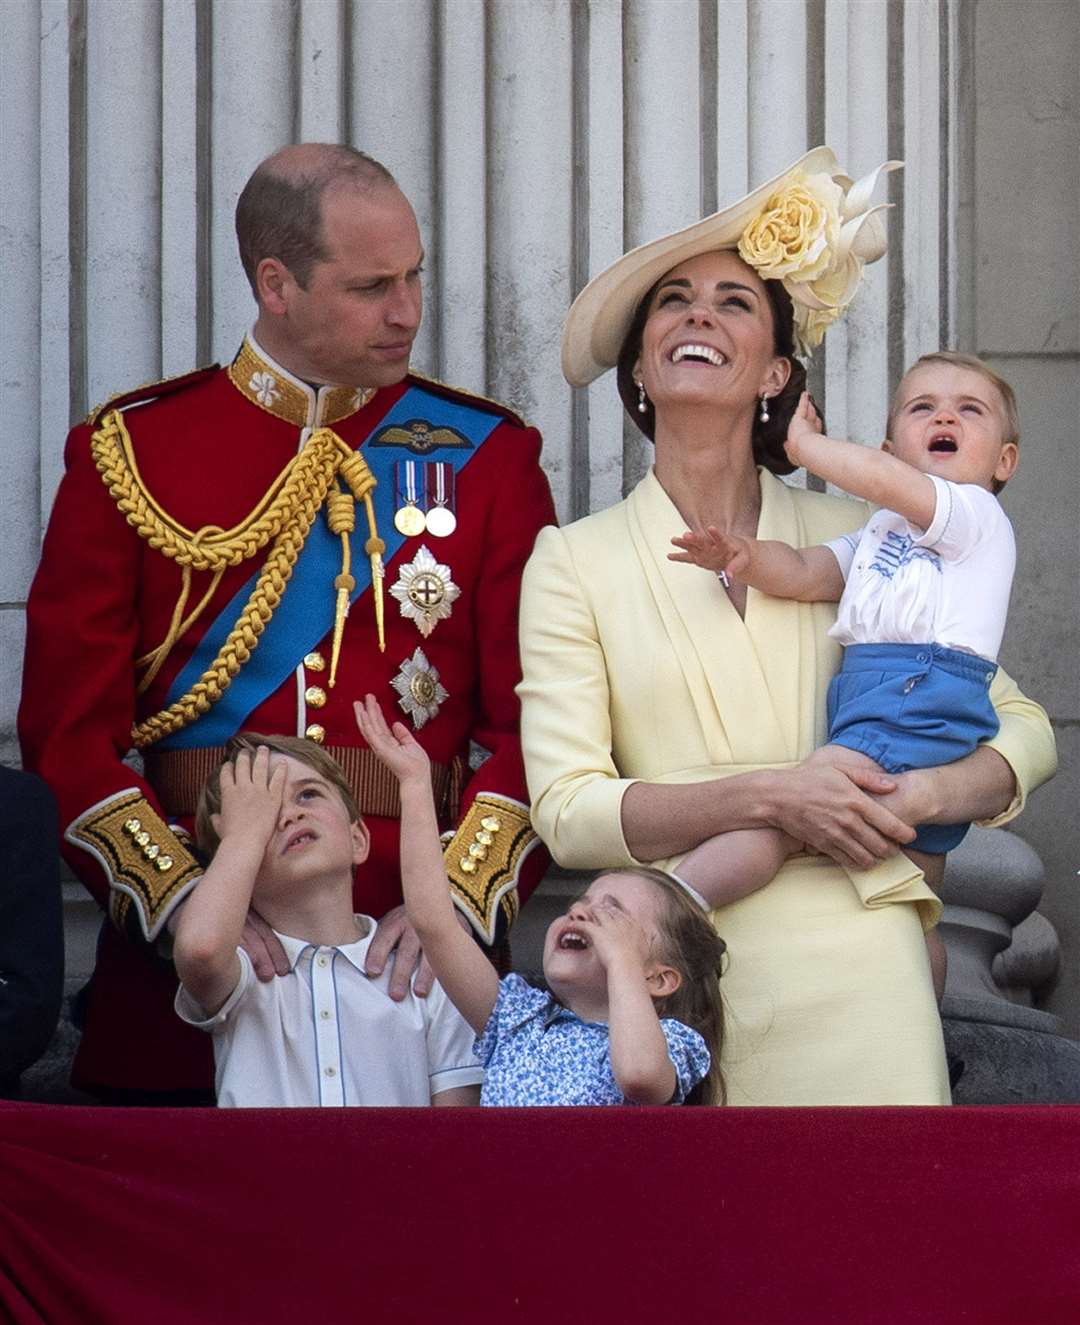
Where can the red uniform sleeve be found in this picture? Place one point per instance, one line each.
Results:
(78, 703)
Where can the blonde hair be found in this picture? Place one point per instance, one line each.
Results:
(956, 359)
(696, 951)
(295, 747)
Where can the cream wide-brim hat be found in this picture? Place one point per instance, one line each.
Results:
(600, 316)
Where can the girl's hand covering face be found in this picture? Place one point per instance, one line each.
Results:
(395, 745)
(614, 933)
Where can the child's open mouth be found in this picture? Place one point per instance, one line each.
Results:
(299, 840)
(943, 444)
(573, 941)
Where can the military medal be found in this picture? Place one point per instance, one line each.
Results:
(425, 591)
(408, 518)
(440, 520)
(417, 682)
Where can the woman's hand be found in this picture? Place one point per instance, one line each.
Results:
(832, 808)
(404, 756)
(805, 422)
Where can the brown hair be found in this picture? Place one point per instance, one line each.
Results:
(296, 747)
(279, 212)
(957, 359)
(696, 951)
(767, 438)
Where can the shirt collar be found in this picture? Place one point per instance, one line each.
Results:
(264, 382)
(355, 953)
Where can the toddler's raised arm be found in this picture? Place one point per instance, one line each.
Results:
(873, 475)
(460, 966)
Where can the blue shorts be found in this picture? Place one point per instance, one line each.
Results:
(913, 706)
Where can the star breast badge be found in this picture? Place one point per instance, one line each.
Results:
(425, 591)
(418, 685)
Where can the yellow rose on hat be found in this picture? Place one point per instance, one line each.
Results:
(811, 325)
(794, 235)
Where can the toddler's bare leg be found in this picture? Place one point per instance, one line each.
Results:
(731, 865)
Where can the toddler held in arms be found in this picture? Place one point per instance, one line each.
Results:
(284, 834)
(923, 592)
(634, 1013)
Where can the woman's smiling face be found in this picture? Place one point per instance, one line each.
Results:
(709, 337)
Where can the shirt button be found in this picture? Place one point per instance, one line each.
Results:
(323, 961)
(325, 1014)
(315, 732)
(314, 662)
(315, 697)
(330, 1071)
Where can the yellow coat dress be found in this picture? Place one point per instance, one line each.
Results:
(637, 668)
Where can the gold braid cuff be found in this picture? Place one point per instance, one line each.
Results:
(283, 519)
(148, 868)
(483, 859)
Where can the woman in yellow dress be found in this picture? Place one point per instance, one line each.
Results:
(661, 706)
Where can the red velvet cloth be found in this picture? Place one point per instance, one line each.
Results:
(553, 1216)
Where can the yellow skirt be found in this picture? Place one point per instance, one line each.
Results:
(828, 1001)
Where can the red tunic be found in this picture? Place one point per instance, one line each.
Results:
(207, 449)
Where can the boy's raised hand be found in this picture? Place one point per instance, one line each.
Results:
(405, 757)
(805, 422)
(251, 797)
(712, 550)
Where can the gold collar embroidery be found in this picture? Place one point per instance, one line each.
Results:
(266, 384)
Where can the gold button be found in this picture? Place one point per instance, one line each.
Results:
(143, 838)
(152, 851)
(132, 826)
(164, 863)
(477, 851)
(484, 838)
(491, 823)
(315, 697)
(468, 866)
(314, 662)
(315, 732)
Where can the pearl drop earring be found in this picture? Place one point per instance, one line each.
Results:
(642, 404)
(764, 416)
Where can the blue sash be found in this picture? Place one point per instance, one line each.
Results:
(305, 614)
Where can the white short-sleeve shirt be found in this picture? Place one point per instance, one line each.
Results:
(327, 1034)
(948, 585)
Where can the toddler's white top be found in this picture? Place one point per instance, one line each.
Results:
(327, 1034)
(948, 586)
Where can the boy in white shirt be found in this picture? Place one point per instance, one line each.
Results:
(923, 591)
(284, 834)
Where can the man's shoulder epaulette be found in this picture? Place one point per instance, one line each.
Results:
(151, 391)
(467, 397)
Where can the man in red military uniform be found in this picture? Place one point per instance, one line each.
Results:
(254, 547)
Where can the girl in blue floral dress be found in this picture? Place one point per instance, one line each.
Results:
(633, 1015)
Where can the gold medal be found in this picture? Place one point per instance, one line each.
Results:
(408, 518)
